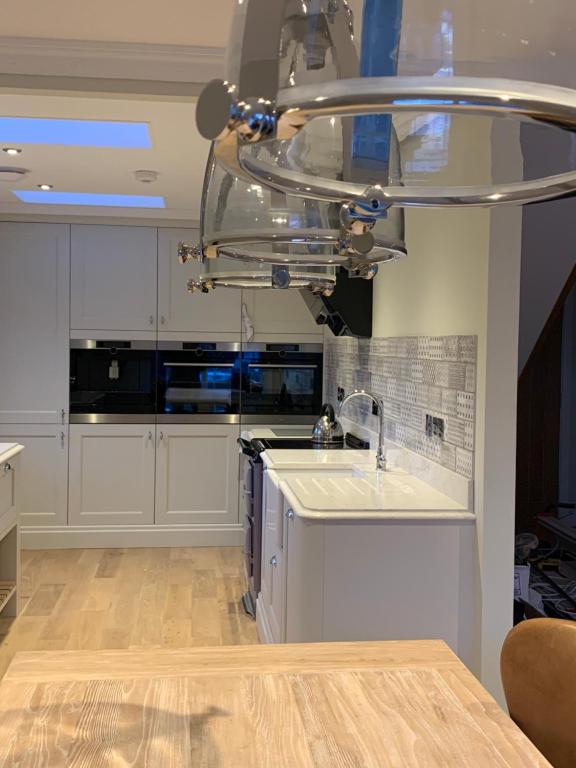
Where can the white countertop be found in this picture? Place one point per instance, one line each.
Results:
(316, 458)
(363, 493)
(9, 450)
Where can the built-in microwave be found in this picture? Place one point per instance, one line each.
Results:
(281, 382)
(112, 381)
(198, 382)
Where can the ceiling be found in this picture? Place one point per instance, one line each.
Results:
(178, 154)
(178, 22)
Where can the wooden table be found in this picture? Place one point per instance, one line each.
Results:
(336, 705)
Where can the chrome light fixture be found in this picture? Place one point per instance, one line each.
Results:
(423, 77)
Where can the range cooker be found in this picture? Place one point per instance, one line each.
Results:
(252, 487)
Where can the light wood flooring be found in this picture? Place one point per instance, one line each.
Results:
(93, 599)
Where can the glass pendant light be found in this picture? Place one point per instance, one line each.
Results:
(459, 83)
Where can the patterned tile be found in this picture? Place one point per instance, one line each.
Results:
(414, 376)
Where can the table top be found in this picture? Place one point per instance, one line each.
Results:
(336, 705)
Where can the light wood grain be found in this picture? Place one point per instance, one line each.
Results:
(345, 705)
(133, 598)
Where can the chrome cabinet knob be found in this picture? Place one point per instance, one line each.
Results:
(7, 467)
(274, 561)
(290, 514)
(150, 435)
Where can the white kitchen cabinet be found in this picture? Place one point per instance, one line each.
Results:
(179, 311)
(272, 598)
(42, 478)
(359, 580)
(34, 323)
(114, 278)
(281, 315)
(197, 474)
(112, 469)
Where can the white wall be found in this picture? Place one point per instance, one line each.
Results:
(462, 276)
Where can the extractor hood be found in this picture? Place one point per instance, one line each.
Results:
(348, 310)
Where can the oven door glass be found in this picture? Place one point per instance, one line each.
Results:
(191, 384)
(112, 381)
(281, 385)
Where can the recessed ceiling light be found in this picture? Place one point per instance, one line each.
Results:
(74, 133)
(89, 198)
(45, 187)
(12, 151)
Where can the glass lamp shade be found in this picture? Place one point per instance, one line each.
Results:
(260, 226)
(479, 96)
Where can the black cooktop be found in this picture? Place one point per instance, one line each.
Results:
(300, 443)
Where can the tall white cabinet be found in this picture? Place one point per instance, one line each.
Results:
(113, 278)
(34, 308)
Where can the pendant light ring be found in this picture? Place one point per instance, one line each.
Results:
(496, 98)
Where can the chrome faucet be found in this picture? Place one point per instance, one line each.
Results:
(381, 462)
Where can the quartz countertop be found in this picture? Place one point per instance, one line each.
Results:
(360, 492)
(9, 450)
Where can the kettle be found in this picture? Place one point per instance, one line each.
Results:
(327, 430)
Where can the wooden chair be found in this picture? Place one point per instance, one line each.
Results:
(538, 666)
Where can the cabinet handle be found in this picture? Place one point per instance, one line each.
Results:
(151, 319)
(150, 435)
(7, 467)
(274, 561)
(290, 514)
(161, 435)
(162, 320)
(62, 438)
(63, 414)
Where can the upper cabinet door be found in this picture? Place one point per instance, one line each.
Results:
(278, 314)
(114, 275)
(218, 311)
(34, 317)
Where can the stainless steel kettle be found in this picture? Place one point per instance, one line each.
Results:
(327, 430)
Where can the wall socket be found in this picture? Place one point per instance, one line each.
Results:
(435, 426)
(341, 394)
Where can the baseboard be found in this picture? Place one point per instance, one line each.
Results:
(84, 537)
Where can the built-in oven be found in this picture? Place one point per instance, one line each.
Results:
(199, 382)
(112, 381)
(281, 382)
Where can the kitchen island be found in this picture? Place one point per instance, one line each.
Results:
(409, 704)
(9, 530)
(351, 554)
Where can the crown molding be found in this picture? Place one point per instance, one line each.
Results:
(32, 56)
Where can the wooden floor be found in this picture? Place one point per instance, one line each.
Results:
(92, 599)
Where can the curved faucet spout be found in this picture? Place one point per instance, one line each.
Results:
(381, 460)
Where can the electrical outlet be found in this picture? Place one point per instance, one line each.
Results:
(341, 394)
(435, 426)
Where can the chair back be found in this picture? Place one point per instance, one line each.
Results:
(538, 665)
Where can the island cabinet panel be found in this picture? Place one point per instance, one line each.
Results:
(112, 469)
(197, 474)
(34, 323)
(114, 278)
(304, 578)
(272, 598)
(42, 476)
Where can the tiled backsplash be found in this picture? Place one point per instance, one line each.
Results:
(414, 376)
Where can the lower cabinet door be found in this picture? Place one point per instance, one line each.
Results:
(197, 469)
(42, 476)
(112, 474)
